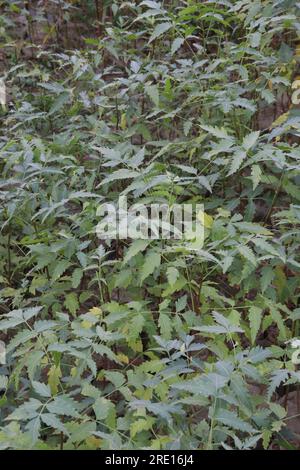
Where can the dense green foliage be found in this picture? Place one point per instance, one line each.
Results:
(149, 344)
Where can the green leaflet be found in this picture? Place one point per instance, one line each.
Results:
(159, 29)
(255, 316)
(133, 343)
(152, 261)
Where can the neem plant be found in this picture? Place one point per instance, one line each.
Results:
(149, 344)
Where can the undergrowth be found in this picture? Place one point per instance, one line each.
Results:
(138, 344)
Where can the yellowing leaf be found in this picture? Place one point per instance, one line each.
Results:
(296, 84)
(144, 394)
(158, 444)
(96, 311)
(93, 442)
(54, 376)
(123, 358)
(205, 219)
(280, 120)
(86, 324)
(136, 346)
(141, 425)
(277, 425)
(123, 121)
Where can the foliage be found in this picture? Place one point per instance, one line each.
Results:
(149, 344)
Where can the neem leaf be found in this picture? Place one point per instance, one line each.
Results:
(52, 421)
(176, 44)
(255, 316)
(152, 261)
(159, 29)
(41, 389)
(153, 93)
(250, 139)
(136, 247)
